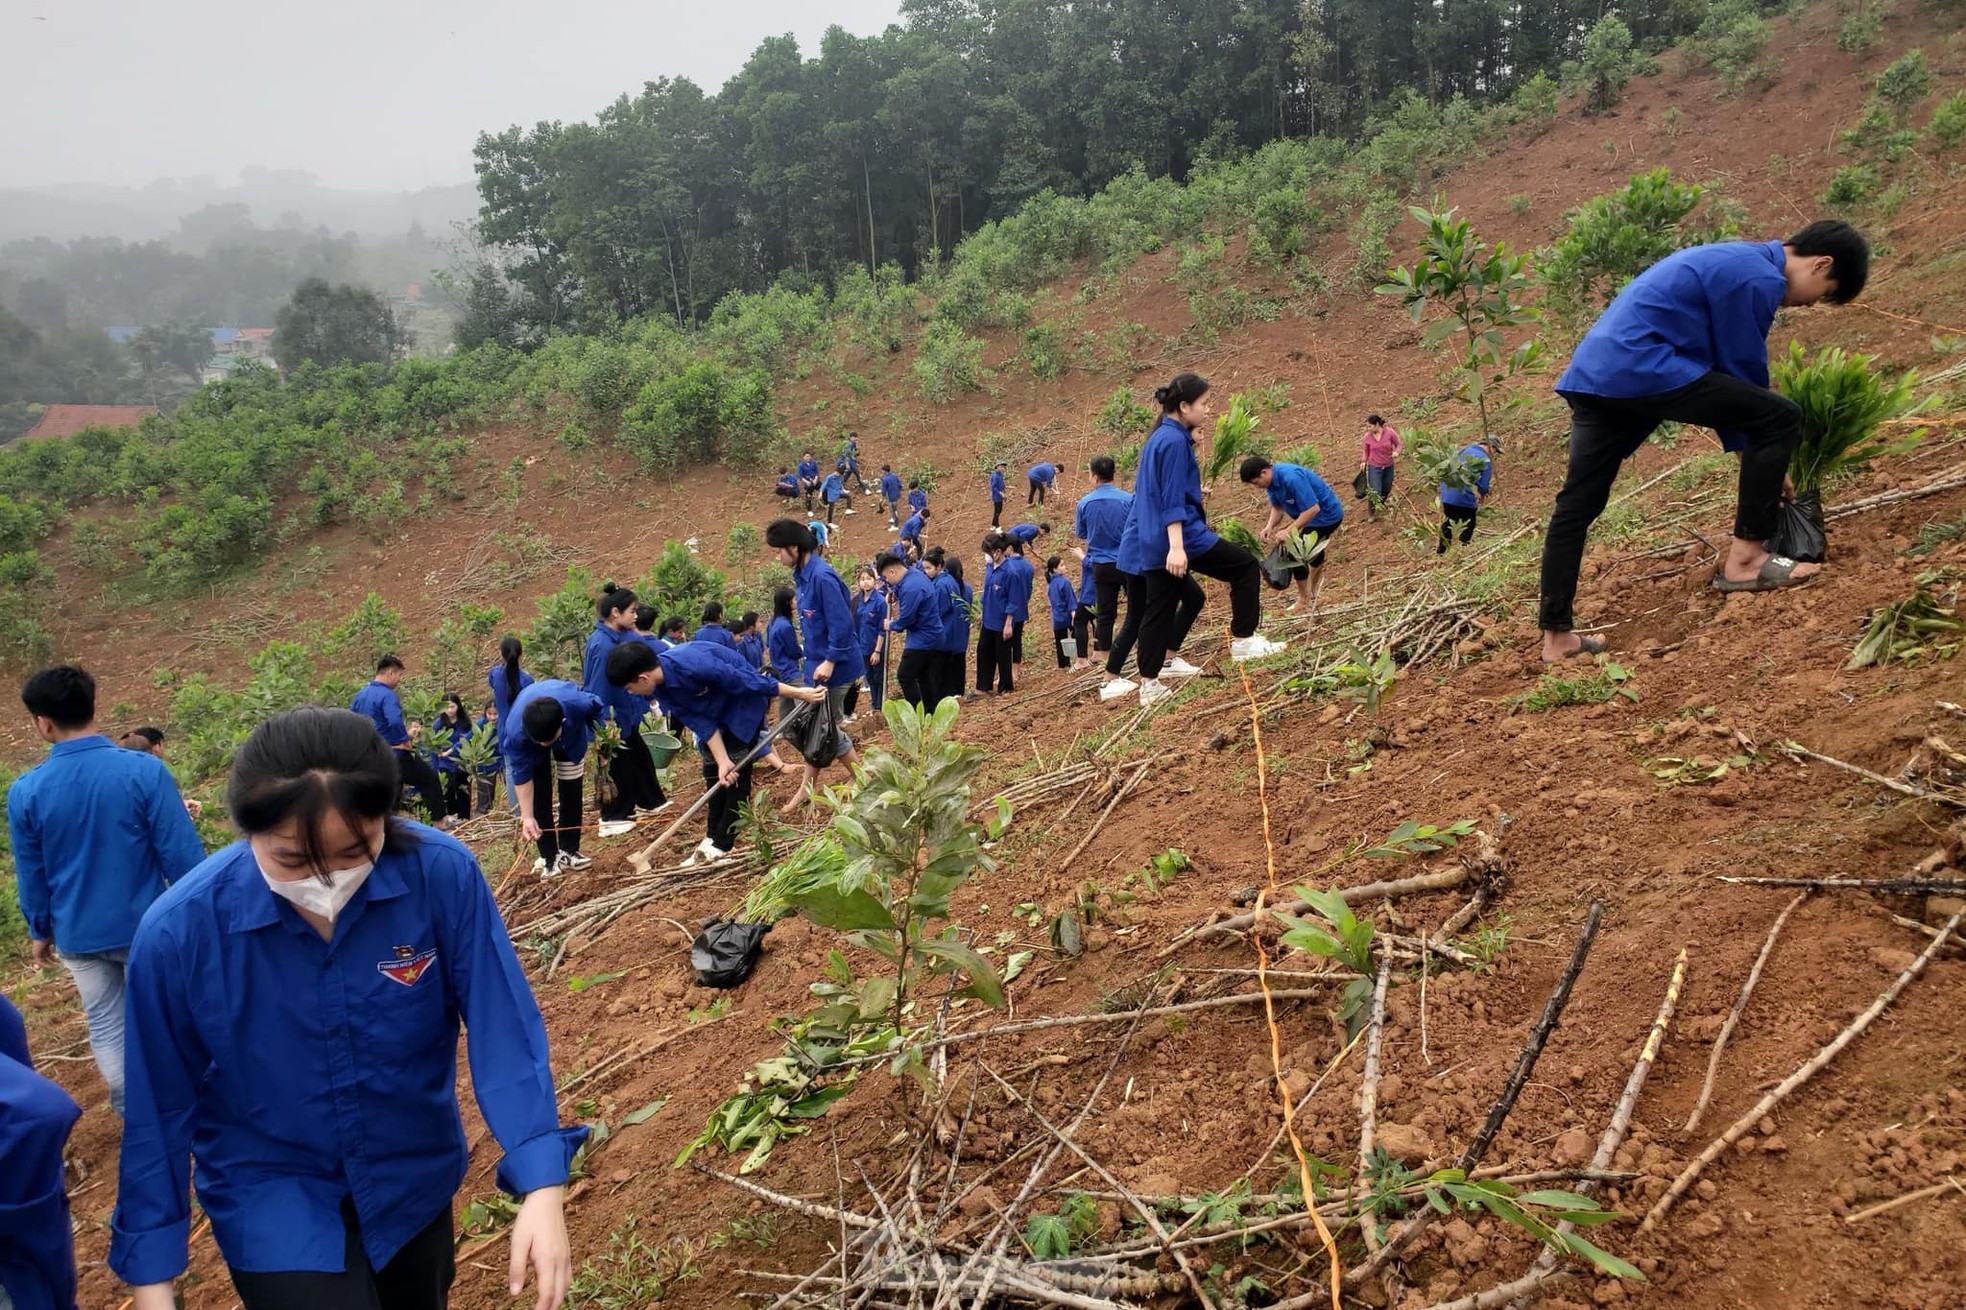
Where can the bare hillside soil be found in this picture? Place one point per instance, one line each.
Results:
(1572, 796)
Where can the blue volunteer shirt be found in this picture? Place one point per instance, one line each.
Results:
(1063, 601)
(1295, 489)
(1099, 520)
(955, 620)
(869, 620)
(502, 694)
(782, 645)
(826, 620)
(891, 488)
(299, 1071)
(918, 500)
(996, 485)
(834, 488)
(709, 688)
(624, 707)
(447, 739)
(752, 647)
(37, 1253)
(911, 528)
(717, 635)
(98, 833)
(584, 714)
(1007, 592)
(809, 470)
(818, 529)
(1022, 533)
(788, 482)
(918, 610)
(1698, 311)
(1042, 473)
(1470, 457)
(384, 708)
(1166, 491)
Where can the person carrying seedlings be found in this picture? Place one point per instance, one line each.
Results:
(788, 483)
(489, 771)
(832, 649)
(911, 531)
(37, 1243)
(295, 1012)
(98, 834)
(1006, 605)
(451, 730)
(546, 739)
(631, 768)
(1041, 477)
(1098, 521)
(1300, 501)
(1059, 594)
(917, 613)
(996, 493)
(382, 706)
(1378, 449)
(1463, 491)
(1167, 539)
(1687, 342)
(808, 477)
(712, 629)
(891, 493)
(834, 494)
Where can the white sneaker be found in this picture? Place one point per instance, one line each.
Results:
(575, 860)
(539, 869)
(1254, 648)
(1152, 693)
(705, 852)
(557, 867)
(616, 827)
(1176, 667)
(853, 511)
(1117, 688)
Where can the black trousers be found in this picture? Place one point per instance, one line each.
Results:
(1123, 641)
(996, 656)
(636, 786)
(1037, 493)
(846, 498)
(457, 795)
(996, 512)
(1464, 515)
(920, 675)
(1604, 433)
(1102, 607)
(1060, 631)
(952, 673)
(418, 1277)
(413, 771)
(553, 840)
(1173, 604)
(1082, 620)
(721, 810)
(487, 792)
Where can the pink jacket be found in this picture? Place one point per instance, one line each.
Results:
(1380, 447)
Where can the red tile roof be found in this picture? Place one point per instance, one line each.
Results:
(67, 420)
(256, 334)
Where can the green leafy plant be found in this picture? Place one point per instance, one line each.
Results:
(1606, 62)
(634, 1271)
(1859, 28)
(1234, 438)
(1595, 688)
(1367, 680)
(1055, 1236)
(1732, 37)
(1341, 936)
(1843, 403)
(1234, 530)
(949, 362)
(1947, 126)
(576, 983)
(1482, 292)
(1850, 186)
(1921, 624)
(1537, 1213)
(1611, 239)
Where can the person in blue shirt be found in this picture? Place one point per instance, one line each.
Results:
(788, 483)
(1687, 342)
(834, 493)
(1300, 501)
(1041, 477)
(383, 707)
(911, 531)
(808, 477)
(891, 493)
(637, 790)
(917, 498)
(749, 641)
(723, 701)
(1463, 492)
(825, 609)
(917, 614)
(295, 1006)
(1060, 596)
(713, 629)
(448, 735)
(546, 739)
(1021, 535)
(37, 1250)
(488, 773)
(870, 616)
(947, 571)
(849, 464)
(1167, 540)
(820, 532)
(98, 833)
(1098, 520)
(1006, 605)
(996, 494)
(506, 680)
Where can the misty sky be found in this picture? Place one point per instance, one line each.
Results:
(364, 93)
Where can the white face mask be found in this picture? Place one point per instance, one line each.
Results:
(326, 899)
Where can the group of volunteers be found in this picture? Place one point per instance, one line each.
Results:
(277, 1022)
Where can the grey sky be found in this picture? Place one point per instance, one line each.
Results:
(365, 93)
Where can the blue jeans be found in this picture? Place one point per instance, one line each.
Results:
(99, 979)
(1379, 481)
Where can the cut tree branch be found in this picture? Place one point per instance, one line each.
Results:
(1734, 1015)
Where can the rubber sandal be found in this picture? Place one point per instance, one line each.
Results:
(1585, 646)
(1777, 571)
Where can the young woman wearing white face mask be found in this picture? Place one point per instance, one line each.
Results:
(294, 1009)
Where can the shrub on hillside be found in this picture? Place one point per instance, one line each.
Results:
(1851, 186)
(1947, 126)
(1123, 416)
(1606, 62)
(1611, 239)
(949, 362)
(708, 412)
(1731, 38)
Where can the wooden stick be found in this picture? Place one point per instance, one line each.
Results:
(1926, 929)
(1368, 1093)
(1093, 831)
(1372, 891)
(639, 861)
(1692, 1172)
(1902, 788)
(1894, 886)
(811, 1209)
(1951, 1184)
(1734, 1015)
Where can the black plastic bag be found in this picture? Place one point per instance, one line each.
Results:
(1799, 530)
(724, 953)
(815, 731)
(1361, 485)
(1276, 569)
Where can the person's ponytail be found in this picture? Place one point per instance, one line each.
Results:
(509, 650)
(1183, 389)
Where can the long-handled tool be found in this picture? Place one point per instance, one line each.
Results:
(640, 861)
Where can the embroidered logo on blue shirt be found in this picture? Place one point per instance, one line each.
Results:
(408, 967)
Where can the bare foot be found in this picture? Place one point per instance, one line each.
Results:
(1569, 645)
(1745, 558)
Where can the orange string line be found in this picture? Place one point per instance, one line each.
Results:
(1919, 322)
(1269, 1000)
